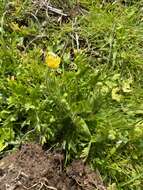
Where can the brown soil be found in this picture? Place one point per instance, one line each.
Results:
(31, 168)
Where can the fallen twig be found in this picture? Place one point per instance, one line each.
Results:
(57, 11)
(49, 187)
(45, 5)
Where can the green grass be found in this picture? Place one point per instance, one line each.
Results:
(92, 107)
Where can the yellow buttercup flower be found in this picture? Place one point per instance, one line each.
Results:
(52, 60)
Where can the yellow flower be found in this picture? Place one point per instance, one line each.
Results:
(52, 60)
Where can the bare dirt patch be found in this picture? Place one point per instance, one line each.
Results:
(31, 168)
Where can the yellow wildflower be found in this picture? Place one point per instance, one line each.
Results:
(52, 60)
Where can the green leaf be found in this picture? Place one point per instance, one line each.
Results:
(81, 126)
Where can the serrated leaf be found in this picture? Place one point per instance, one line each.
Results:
(85, 151)
(82, 127)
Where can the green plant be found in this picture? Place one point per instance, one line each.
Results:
(91, 106)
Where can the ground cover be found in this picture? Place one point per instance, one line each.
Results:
(71, 78)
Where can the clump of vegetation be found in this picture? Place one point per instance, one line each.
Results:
(91, 102)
